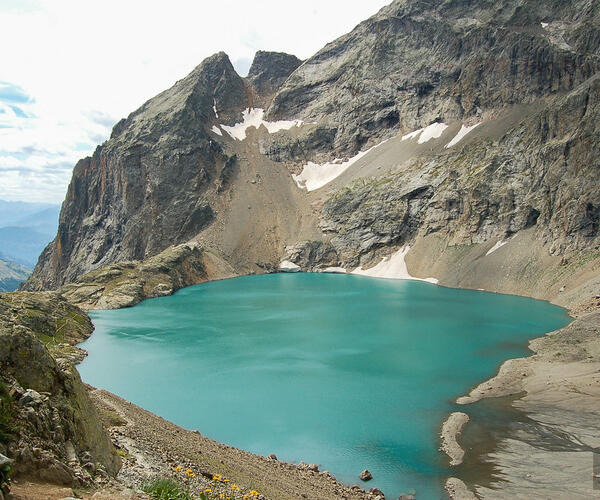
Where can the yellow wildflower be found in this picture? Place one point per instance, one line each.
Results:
(221, 495)
(207, 490)
(235, 487)
(217, 477)
(188, 471)
(225, 480)
(254, 492)
(178, 468)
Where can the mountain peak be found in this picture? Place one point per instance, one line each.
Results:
(268, 72)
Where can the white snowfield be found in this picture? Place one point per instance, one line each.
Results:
(316, 175)
(253, 117)
(461, 134)
(433, 131)
(216, 130)
(334, 270)
(498, 245)
(288, 267)
(392, 267)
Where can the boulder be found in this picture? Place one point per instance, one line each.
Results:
(365, 475)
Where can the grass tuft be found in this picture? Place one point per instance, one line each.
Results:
(166, 489)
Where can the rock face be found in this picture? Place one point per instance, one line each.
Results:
(55, 424)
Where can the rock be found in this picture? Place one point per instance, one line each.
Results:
(365, 475)
(406, 497)
(272, 456)
(288, 267)
(313, 467)
(90, 467)
(376, 491)
(5, 460)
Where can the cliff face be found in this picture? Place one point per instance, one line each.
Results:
(524, 71)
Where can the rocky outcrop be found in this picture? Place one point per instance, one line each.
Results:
(128, 283)
(55, 435)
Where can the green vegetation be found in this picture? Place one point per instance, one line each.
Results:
(5, 472)
(166, 489)
(7, 415)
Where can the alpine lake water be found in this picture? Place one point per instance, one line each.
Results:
(344, 371)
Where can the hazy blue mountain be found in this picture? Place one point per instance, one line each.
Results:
(12, 211)
(44, 221)
(22, 244)
(11, 275)
(26, 229)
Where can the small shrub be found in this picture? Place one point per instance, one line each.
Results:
(166, 489)
(5, 471)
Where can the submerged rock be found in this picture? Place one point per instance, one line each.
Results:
(365, 475)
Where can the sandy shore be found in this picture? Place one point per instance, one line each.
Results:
(561, 387)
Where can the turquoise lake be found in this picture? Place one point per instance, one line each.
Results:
(347, 372)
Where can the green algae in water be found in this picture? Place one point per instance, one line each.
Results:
(344, 371)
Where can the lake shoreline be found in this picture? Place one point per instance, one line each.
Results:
(559, 383)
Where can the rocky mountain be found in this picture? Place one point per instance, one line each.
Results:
(211, 158)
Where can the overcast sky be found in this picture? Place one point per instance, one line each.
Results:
(72, 68)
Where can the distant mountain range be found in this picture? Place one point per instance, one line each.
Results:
(25, 230)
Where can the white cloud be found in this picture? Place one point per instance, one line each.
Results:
(87, 64)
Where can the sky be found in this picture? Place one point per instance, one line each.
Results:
(72, 68)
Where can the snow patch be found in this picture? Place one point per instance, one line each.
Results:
(412, 135)
(461, 133)
(433, 131)
(253, 117)
(392, 267)
(216, 130)
(215, 107)
(316, 175)
(496, 247)
(335, 270)
(544, 25)
(288, 267)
